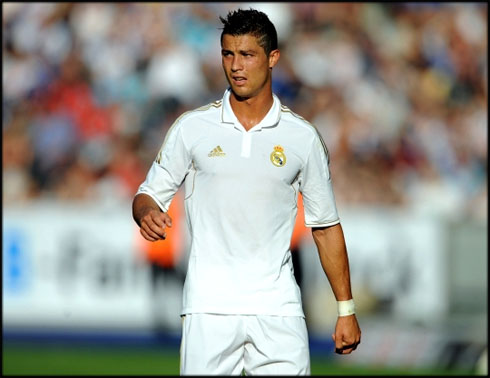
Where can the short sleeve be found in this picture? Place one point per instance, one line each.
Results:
(169, 169)
(316, 187)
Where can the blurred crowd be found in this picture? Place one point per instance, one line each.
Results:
(398, 91)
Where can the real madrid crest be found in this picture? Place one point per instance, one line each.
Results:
(277, 156)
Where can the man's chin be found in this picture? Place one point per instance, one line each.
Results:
(240, 94)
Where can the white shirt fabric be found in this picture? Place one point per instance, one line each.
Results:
(240, 207)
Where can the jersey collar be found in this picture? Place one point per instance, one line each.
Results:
(271, 119)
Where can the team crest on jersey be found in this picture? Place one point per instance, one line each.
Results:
(278, 158)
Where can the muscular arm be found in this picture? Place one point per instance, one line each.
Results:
(333, 257)
(331, 247)
(149, 217)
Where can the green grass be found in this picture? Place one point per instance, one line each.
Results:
(25, 359)
(36, 359)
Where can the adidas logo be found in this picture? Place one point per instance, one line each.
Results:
(217, 151)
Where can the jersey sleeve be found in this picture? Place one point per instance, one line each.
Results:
(168, 170)
(316, 187)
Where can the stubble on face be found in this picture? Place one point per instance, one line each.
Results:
(245, 64)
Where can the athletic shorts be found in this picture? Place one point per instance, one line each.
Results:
(214, 344)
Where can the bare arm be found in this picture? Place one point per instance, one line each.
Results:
(332, 250)
(150, 218)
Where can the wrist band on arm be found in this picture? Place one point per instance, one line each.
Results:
(346, 308)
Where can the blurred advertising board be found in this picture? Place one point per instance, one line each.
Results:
(80, 266)
(398, 264)
(73, 266)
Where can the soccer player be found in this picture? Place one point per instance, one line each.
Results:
(242, 161)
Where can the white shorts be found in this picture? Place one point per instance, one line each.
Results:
(214, 344)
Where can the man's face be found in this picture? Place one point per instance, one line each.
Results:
(246, 66)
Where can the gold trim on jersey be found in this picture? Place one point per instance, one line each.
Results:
(216, 104)
(296, 178)
(193, 181)
(285, 109)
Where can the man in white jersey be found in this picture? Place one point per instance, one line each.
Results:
(242, 161)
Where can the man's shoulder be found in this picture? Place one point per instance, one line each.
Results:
(190, 123)
(297, 121)
(210, 111)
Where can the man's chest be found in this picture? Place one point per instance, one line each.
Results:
(258, 155)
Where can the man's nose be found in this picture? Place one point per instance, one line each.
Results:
(236, 64)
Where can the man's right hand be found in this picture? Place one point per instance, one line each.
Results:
(153, 225)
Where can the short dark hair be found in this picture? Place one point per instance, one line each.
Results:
(254, 22)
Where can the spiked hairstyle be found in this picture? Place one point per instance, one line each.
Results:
(254, 22)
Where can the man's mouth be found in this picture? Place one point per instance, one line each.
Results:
(239, 80)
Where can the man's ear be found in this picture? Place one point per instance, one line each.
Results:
(274, 58)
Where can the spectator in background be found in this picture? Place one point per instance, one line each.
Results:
(409, 72)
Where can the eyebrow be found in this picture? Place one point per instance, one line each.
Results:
(240, 51)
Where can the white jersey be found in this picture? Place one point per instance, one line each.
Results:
(240, 192)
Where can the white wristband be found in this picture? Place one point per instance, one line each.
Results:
(346, 308)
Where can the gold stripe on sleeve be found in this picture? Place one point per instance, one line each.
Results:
(287, 110)
(215, 104)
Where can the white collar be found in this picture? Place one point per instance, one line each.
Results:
(271, 119)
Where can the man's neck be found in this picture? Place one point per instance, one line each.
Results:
(250, 111)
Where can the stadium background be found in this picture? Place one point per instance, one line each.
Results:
(399, 93)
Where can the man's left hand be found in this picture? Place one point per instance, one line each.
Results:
(347, 334)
